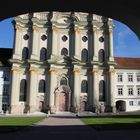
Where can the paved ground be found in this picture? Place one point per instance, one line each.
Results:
(68, 127)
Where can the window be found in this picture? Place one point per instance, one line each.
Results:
(23, 90)
(131, 103)
(43, 54)
(5, 90)
(6, 76)
(138, 78)
(84, 38)
(84, 55)
(84, 86)
(101, 55)
(64, 38)
(64, 51)
(101, 39)
(130, 91)
(138, 103)
(130, 78)
(120, 91)
(102, 90)
(44, 37)
(26, 37)
(120, 78)
(41, 88)
(25, 53)
(138, 91)
(63, 81)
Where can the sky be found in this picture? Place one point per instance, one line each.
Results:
(126, 43)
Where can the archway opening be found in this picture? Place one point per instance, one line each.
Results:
(121, 105)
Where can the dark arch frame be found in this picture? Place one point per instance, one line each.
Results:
(25, 53)
(42, 86)
(63, 81)
(43, 54)
(84, 86)
(23, 90)
(102, 91)
(64, 51)
(101, 55)
(84, 55)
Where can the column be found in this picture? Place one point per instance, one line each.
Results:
(95, 89)
(17, 43)
(52, 89)
(54, 41)
(95, 44)
(76, 90)
(77, 42)
(110, 44)
(33, 90)
(35, 44)
(14, 99)
(111, 100)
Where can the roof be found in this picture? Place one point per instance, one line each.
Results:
(5, 55)
(126, 62)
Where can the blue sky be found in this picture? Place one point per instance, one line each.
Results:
(126, 43)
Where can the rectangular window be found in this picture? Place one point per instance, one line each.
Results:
(138, 78)
(138, 91)
(130, 91)
(120, 78)
(5, 90)
(130, 78)
(131, 103)
(6, 76)
(120, 91)
(138, 103)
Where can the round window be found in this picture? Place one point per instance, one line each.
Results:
(101, 39)
(84, 38)
(43, 37)
(64, 38)
(26, 37)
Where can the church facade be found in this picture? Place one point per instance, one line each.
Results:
(63, 61)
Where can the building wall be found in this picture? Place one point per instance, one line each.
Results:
(125, 84)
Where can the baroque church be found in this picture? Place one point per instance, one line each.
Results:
(63, 61)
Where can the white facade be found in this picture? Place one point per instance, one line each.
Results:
(63, 61)
(132, 100)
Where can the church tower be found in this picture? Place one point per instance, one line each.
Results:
(62, 61)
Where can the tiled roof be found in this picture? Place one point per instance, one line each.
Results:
(125, 62)
(5, 55)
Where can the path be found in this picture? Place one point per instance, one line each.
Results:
(68, 127)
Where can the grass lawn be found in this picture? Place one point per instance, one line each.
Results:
(113, 122)
(16, 123)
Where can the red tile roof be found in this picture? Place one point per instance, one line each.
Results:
(125, 62)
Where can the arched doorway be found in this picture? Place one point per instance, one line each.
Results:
(62, 98)
(121, 105)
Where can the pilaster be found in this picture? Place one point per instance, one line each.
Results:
(95, 43)
(35, 44)
(33, 89)
(15, 86)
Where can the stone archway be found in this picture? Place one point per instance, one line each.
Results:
(121, 105)
(62, 98)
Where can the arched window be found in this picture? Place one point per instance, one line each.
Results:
(43, 54)
(41, 88)
(25, 53)
(63, 81)
(101, 55)
(84, 86)
(64, 51)
(84, 55)
(102, 90)
(23, 90)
